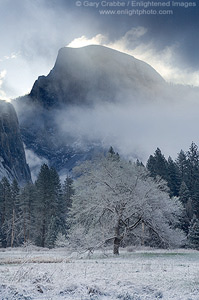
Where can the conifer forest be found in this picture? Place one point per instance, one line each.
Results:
(106, 201)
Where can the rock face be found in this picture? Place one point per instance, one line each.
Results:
(12, 156)
(91, 74)
(82, 77)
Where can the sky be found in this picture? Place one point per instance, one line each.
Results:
(32, 32)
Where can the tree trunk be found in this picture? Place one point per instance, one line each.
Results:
(43, 234)
(117, 239)
(143, 234)
(13, 229)
(116, 246)
(24, 228)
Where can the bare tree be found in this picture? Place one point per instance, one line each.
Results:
(114, 197)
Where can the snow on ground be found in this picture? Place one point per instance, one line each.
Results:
(27, 274)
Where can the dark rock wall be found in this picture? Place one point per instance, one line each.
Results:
(12, 152)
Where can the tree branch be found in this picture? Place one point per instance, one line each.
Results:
(164, 241)
(135, 224)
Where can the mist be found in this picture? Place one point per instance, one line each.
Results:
(34, 162)
(135, 130)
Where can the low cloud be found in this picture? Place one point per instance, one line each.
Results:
(34, 162)
(135, 130)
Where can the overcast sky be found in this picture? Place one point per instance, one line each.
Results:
(32, 32)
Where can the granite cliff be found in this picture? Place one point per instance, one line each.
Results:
(91, 74)
(12, 155)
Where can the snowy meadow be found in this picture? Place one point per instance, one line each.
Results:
(136, 274)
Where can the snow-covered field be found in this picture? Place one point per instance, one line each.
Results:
(138, 275)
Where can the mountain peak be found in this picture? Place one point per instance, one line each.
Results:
(91, 74)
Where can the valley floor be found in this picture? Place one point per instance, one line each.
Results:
(31, 273)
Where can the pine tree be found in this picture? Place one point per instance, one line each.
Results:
(184, 197)
(173, 178)
(112, 154)
(151, 166)
(192, 168)
(139, 163)
(111, 151)
(42, 205)
(157, 165)
(57, 216)
(193, 236)
(15, 214)
(193, 176)
(68, 192)
(6, 209)
(48, 207)
(1, 213)
(184, 194)
(28, 198)
(52, 231)
(195, 197)
(188, 165)
(182, 165)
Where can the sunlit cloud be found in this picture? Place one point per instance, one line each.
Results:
(2, 92)
(163, 61)
(84, 41)
(2, 74)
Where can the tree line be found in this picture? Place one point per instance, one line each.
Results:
(36, 212)
(182, 177)
(111, 201)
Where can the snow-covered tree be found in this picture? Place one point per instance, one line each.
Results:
(68, 192)
(173, 177)
(193, 236)
(61, 240)
(114, 197)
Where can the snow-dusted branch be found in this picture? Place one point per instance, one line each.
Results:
(114, 198)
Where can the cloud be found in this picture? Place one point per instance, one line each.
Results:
(34, 162)
(11, 56)
(3, 95)
(163, 61)
(135, 130)
(2, 75)
(100, 39)
(34, 32)
(83, 41)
